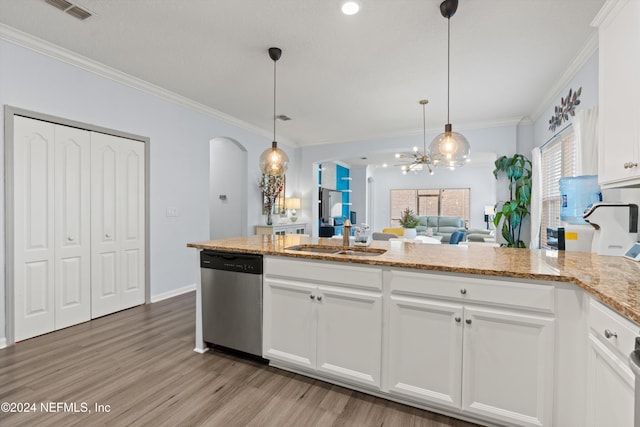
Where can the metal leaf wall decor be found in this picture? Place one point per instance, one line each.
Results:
(566, 108)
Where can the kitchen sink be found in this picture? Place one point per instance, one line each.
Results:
(337, 250)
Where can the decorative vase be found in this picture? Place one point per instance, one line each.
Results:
(410, 233)
(269, 219)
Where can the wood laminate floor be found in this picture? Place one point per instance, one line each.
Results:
(140, 362)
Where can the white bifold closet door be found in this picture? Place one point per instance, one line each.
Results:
(51, 227)
(79, 231)
(117, 224)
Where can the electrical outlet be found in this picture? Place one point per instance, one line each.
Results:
(172, 212)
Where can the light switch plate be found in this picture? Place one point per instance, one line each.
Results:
(172, 212)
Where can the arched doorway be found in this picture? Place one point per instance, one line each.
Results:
(227, 188)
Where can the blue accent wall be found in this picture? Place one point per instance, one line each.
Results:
(342, 184)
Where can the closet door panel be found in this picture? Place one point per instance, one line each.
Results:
(105, 264)
(118, 232)
(72, 226)
(133, 223)
(33, 166)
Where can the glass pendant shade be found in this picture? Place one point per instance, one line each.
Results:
(450, 149)
(274, 161)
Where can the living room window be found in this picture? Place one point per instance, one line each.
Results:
(558, 159)
(430, 201)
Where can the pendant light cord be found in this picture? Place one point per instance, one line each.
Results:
(274, 101)
(448, 64)
(424, 131)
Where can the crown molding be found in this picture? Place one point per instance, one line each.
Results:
(392, 135)
(54, 51)
(589, 48)
(607, 10)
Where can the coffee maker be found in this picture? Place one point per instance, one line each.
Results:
(616, 227)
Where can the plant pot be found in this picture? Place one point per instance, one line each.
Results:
(410, 233)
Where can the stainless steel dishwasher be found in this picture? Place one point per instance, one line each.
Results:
(232, 300)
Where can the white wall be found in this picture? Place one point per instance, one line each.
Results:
(587, 78)
(179, 152)
(228, 179)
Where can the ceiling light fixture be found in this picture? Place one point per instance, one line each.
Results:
(350, 7)
(449, 149)
(274, 161)
(419, 159)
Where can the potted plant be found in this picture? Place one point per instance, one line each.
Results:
(409, 222)
(518, 172)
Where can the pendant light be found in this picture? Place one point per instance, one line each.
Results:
(449, 149)
(419, 159)
(274, 161)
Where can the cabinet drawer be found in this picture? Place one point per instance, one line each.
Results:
(324, 272)
(623, 332)
(470, 289)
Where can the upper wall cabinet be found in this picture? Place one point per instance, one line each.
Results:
(619, 86)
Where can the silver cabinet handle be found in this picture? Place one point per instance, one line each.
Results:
(312, 296)
(632, 165)
(107, 235)
(626, 165)
(70, 238)
(463, 291)
(608, 334)
(468, 321)
(319, 297)
(457, 319)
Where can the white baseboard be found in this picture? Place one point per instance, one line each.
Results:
(3, 342)
(173, 293)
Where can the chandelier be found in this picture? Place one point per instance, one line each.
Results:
(419, 160)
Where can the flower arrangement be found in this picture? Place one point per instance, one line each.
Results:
(408, 219)
(271, 187)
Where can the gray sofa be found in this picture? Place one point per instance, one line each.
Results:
(440, 226)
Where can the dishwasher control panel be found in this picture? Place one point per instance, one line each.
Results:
(231, 261)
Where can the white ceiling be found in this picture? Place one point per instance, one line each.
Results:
(340, 78)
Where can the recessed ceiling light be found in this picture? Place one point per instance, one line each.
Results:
(350, 7)
(384, 165)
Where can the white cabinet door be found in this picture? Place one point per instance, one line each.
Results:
(289, 322)
(117, 224)
(610, 388)
(425, 350)
(34, 247)
(619, 91)
(72, 228)
(349, 334)
(507, 369)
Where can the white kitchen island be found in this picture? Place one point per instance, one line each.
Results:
(492, 335)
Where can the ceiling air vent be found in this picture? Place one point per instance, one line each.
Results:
(72, 9)
(60, 4)
(79, 13)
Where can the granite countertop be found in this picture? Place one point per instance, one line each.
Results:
(613, 280)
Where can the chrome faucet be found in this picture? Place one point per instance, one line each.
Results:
(346, 232)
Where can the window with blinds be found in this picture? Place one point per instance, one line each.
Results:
(558, 160)
(436, 201)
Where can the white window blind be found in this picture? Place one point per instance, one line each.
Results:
(559, 159)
